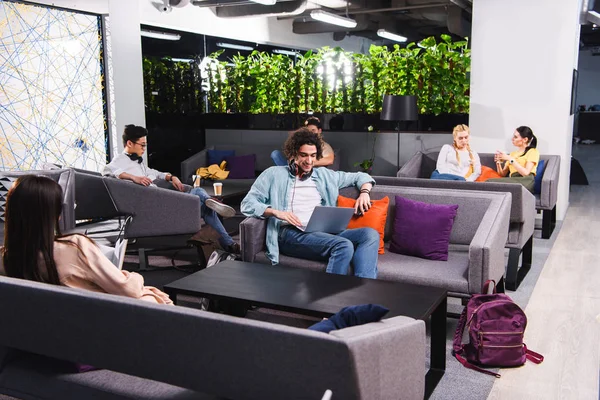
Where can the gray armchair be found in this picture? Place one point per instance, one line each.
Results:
(476, 251)
(66, 179)
(150, 212)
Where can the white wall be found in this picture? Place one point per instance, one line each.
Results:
(523, 55)
(255, 29)
(588, 89)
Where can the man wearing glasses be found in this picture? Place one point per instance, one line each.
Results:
(128, 165)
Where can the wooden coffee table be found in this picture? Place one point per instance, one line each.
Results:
(321, 295)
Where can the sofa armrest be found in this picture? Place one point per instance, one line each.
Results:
(413, 167)
(486, 250)
(155, 211)
(191, 164)
(389, 354)
(549, 189)
(253, 233)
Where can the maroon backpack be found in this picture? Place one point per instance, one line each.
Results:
(496, 326)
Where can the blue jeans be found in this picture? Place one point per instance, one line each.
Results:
(212, 218)
(279, 158)
(446, 177)
(358, 246)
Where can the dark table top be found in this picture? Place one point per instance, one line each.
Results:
(308, 292)
(230, 189)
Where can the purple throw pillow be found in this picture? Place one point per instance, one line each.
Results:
(241, 167)
(422, 229)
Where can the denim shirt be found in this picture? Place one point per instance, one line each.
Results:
(273, 185)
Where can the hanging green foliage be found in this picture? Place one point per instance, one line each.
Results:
(172, 87)
(329, 80)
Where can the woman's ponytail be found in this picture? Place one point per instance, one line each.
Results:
(526, 133)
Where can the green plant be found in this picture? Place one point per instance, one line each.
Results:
(367, 164)
(333, 80)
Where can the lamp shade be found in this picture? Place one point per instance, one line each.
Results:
(399, 108)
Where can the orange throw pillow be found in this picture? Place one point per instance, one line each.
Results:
(374, 218)
(487, 173)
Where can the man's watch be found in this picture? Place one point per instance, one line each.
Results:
(169, 177)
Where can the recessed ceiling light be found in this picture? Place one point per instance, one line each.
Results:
(391, 36)
(286, 52)
(161, 35)
(265, 2)
(333, 19)
(235, 46)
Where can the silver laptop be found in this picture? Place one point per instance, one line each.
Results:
(329, 219)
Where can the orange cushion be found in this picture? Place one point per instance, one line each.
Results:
(487, 173)
(374, 218)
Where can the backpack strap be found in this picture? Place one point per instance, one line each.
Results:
(486, 286)
(533, 356)
(457, 346)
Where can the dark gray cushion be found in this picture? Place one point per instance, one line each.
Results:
(29, 372)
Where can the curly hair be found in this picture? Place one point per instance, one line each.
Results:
(298, 139)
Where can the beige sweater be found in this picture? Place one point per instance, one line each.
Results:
(89, 269)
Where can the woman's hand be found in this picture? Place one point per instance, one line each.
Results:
(501, 156)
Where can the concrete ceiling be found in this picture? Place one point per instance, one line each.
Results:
(414, 19)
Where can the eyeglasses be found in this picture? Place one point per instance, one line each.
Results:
(143, 145)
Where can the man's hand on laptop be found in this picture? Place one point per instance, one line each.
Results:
(287, 216)
(363, 203)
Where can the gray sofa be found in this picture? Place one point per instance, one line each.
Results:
(476, 242)
(263, 160)
(66, 179)
(522, 218)
(421, 165)
(150, 351)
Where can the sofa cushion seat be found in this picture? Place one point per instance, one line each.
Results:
(451, 274)
(29, 371)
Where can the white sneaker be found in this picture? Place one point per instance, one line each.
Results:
(222, 209)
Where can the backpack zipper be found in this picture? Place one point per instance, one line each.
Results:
(481, 333)
(500, 347)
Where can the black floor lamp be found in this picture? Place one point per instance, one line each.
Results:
(399, 108)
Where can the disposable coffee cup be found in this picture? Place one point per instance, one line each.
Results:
(218, 188)
(196, 179)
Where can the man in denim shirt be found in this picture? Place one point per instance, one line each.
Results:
(287, 196)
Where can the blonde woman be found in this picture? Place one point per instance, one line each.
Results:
(457, 162)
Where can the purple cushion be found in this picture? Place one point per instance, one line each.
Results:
(241, 167)
(422, 229)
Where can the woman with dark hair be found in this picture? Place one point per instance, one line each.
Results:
(34, 248)
(519, 165)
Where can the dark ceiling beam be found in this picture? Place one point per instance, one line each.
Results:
(377, 10)
(253, 9)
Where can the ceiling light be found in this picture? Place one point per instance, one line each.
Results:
(265, 2)
(286, 52)
(330, 18)
(188, 60)
(161, 35)
(235, 46)
(392, 36)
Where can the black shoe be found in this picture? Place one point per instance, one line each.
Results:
(234, 248)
